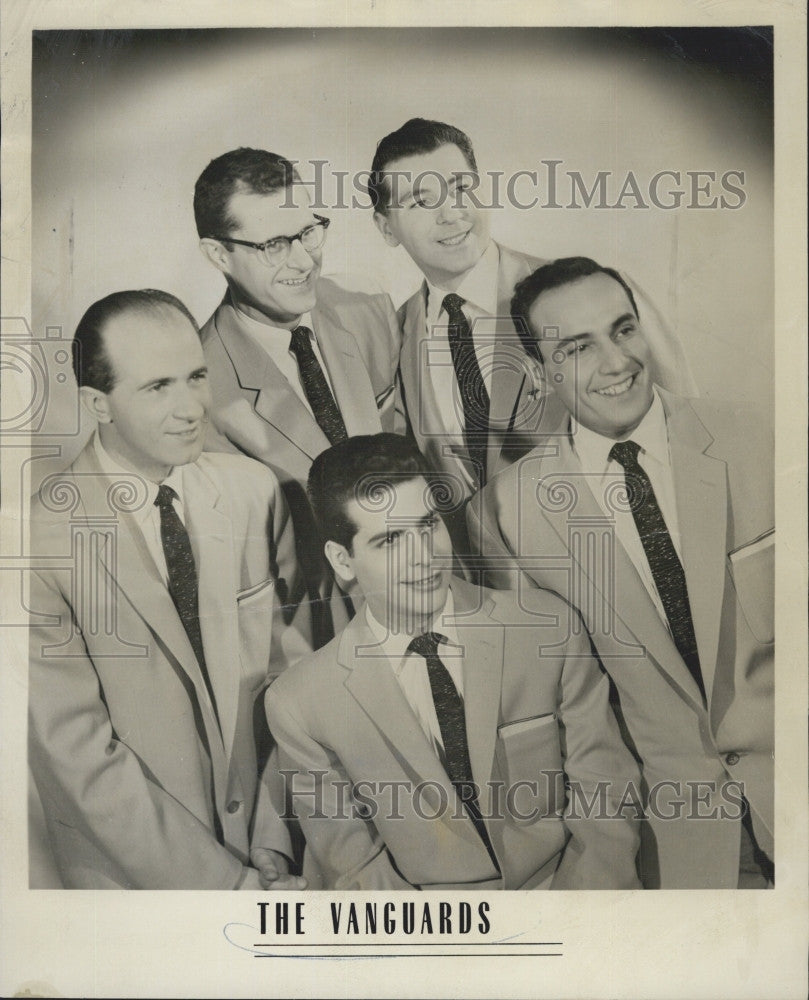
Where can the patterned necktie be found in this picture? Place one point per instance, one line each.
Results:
(474, 396)
(182, 575)
(664, 563)
(316, 387)
(452, 723)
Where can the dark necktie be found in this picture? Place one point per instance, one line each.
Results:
(664, 563)
(452, 723)
(474, 396)
(182, 575)
(316, 387)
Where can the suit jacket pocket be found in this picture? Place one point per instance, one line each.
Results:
(255, 610)
(752, 569)
(529, 756)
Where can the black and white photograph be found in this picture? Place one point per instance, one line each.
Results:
(397, 414)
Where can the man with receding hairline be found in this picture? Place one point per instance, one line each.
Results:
(159, 614)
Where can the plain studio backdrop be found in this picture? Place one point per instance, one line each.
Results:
(124, 122)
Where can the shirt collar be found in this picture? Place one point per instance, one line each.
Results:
(279, 334)
(114, 469)
(478, 288)
(651, 434)
(394, 644)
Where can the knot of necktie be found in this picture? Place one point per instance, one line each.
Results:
(165, 496)
(625, 453)
(452, 306)
(427, 644)
(300, 338)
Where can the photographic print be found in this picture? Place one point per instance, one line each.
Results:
(397, 415)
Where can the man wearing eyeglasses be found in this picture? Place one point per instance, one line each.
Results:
(296, 362)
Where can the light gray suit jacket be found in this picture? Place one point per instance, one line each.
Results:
(513, 414)
(538, 524)
(144, 783)
(535, 702)
(256, 411)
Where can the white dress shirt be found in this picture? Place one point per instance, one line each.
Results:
(410, 669)
(479, 290)
(275, 340)
(147, 517)
(592, 451)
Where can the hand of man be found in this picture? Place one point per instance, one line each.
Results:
(273, 871)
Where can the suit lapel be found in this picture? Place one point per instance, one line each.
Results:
(700, 484)
(512, 268)
(509, 380)
(276, 402)
(372, 683)
(211, 534)
(482, 641)
(634, 611)
(419, 396)
(515, 414)
(349, 377)
(133, 571)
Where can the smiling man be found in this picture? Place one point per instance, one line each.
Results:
(653, 516)
(158, 617)
(462, 367)
(296, 362)
(427, 745)
(469, 396)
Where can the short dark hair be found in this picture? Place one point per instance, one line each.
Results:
(251, 171)
(354, 469)
(563, 271)
(91, 363)
(416, 136)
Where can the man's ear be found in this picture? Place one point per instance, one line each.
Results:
(383, 226)
(340, 561)
(96, 403)
(216, 254)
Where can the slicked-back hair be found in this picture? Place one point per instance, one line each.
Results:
(416, 137)
(91, 363)
(242, 170)
(356, 469)
(564, 271)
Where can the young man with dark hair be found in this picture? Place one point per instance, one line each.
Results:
(467, 386)
(426, 745)
(296, 362)
(157, 618)
(653, 516)
(465, 409)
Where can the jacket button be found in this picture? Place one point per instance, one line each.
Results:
(233, 806)
(732, 758)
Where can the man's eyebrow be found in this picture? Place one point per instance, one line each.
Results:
(621, 320)
(403, 525)
(202, 370)
(414, 191)
(561, 341)
(164, 379)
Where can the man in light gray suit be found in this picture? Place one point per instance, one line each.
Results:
(158, 603)
(653, 516)
(467, 386)
(470, 706)
(296, 361)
